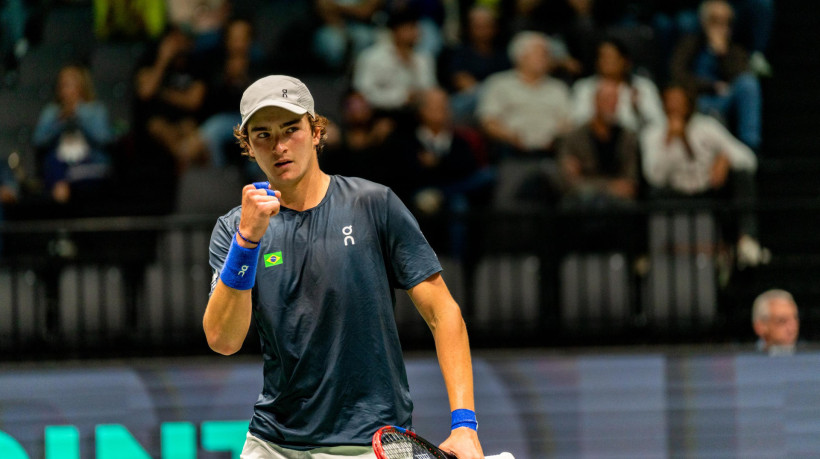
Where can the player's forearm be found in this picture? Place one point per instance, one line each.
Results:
(227, 319)
(453, 350)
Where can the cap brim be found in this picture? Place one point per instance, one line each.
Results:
(273, 103)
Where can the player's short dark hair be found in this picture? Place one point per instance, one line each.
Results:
(318, 121)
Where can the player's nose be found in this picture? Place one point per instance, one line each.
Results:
(279, 146)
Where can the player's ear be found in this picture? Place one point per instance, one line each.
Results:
(760, 328)
(317, 135)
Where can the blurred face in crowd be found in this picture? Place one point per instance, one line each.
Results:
(676, 103)
(70, 86)
(606, 101)
(434, 109)
(611, 64)
(482, 28)
(406, 35)
(534, 60)
(357, 111)
(781, 326)
(717, 18)
(238, 37)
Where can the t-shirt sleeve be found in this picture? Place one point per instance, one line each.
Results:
(490, 102)
(411, 258)
(218, 249)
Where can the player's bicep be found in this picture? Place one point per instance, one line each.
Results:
(433, 300)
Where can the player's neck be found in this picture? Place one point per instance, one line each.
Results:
(307, 193)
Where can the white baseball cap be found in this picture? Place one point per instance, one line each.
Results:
(276, 91)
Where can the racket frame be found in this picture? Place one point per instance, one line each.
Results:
(379, 449)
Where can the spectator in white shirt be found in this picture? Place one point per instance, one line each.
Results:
(694, 155)
(639, 103)
(691, 153)
(524, 110)
(391, 72)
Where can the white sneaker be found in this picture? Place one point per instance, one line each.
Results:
(760, 65)
(750, 253)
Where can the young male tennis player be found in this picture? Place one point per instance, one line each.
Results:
(314, 264)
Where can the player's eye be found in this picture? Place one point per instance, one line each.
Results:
(263, 135)
(291, 130)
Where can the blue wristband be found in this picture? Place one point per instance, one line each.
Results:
(239, 270)
(463, 418)
(264, 186)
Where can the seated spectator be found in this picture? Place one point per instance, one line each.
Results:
(240, 63)
(719, 68)
(599, 170)
(755, 19)
(357, 146)
(129, 20)
(577, 25)
(523, 111)
(467, 65)
(346, 29)
(170, 89)
(639, 102)
(442, 170)
(72, 136)
(776, 322)
(693, 155)
(202, 20)
(599, 159)
(390, 73)
(432, 19)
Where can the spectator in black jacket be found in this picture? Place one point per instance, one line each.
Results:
(718, 68)
(442, 168)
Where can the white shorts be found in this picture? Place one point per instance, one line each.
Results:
(256, 448)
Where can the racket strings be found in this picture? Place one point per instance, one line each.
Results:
(398, 446)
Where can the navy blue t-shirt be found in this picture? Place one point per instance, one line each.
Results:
(323, 307)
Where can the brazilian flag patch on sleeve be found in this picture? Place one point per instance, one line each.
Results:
(273, 259)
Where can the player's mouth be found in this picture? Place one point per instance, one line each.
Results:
(282, 163)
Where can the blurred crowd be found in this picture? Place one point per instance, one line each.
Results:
(460, 106)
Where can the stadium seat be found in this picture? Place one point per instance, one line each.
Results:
(19, 293)
(595, 289)
(88, 312)
(682, 281)
(507, 292)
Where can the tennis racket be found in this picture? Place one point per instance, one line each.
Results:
(393, 442)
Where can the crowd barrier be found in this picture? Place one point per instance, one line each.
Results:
(139, 285)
